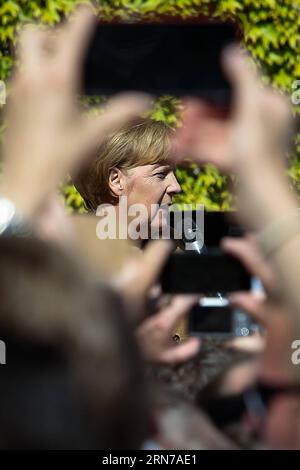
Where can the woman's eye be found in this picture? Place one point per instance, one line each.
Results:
(161, 175)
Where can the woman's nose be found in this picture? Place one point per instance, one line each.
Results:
(174, 187)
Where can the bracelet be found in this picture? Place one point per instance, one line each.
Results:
(277, 234)
(10, 221)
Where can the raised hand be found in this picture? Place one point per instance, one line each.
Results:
(47, 136)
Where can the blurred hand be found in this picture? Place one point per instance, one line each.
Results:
(140, 274)
(46, 134)
(155, 335)
(247, 251)
(52, 222)
(270, 312)
(275, 362)
(257, 129)
(155, 332)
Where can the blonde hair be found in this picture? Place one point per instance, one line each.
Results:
(144, 142)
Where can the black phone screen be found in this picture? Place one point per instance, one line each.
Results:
(179, 59)
(210, 273)
(210, 320)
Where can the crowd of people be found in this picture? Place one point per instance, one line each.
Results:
(92, 362)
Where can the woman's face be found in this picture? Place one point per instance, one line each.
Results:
(151, 185)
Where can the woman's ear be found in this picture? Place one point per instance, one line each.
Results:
(116, 181)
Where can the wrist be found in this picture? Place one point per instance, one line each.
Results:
(279, 233)
(264, 195)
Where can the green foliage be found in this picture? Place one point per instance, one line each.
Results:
(269, 30)
(74, 201)
(204, 185)
(167, 109)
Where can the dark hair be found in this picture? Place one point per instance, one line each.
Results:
(188, 378)
(178, 387)
(73, 377)
(229, 420)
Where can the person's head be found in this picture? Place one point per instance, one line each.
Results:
(132, 162)
(280, 426)
(188, 378)
(177, 391)
(222, 399)
(215, 372)
(73, 377)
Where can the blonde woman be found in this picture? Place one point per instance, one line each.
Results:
(132, 162)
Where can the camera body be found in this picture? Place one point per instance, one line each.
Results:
(212, 273)
(214, 317)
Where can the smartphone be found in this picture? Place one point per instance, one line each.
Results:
(207, 228)
(221, 224)
(214, 317)
(178, 59)
(209, 273)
